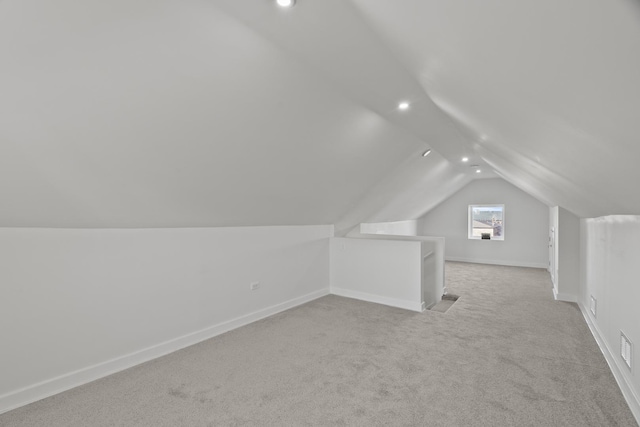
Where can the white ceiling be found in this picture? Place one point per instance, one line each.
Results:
(235, 112)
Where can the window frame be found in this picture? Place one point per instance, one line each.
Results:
(470, 235)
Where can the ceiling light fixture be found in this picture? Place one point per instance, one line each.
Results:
(403, 106)
(286, 3)
(478, 171)
(465, 159)
(426, 153)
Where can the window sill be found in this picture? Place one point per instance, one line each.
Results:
(492, 239)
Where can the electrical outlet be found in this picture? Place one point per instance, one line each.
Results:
(593, 306)
(254, 285)
(625, 349)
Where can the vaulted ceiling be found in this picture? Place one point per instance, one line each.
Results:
(237, 112)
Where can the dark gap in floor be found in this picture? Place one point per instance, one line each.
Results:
(450, 297)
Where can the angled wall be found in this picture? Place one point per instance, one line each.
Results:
(395, 228)
(526, 226)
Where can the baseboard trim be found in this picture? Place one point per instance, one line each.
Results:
(498, 262)
(630, 395)
(364, 296)
(44, 389)
(566, 297)
(559, 296)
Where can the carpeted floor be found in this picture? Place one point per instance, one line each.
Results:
(443, 305)
(505, 354)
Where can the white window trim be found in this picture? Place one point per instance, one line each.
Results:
(470, 235)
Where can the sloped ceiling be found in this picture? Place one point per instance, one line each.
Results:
(225, 112)
(548, 92)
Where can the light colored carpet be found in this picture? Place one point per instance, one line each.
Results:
(505, 354)
(443, 305)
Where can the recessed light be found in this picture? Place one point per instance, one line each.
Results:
(404, 105)
(285, 3)
(465, 159)
(478, 171)
(426, 153)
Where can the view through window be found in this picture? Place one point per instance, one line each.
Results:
(486, 222)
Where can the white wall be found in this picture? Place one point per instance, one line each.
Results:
(432, 255)
(433, 258)
(610, 271)
(398, 228)
(382, 271)
(553, 240)
(79, 304)
(567, 234)
(526, 226)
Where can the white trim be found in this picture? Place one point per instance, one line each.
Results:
(35, 392)
(559, 296)
(618, 370)
(378, 299)
(498, 262)
(470, 235)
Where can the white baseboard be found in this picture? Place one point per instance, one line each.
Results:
(430, 306)
(617, 369)
(407, 305)
(56, 385)
(559, 296)
(498, 262)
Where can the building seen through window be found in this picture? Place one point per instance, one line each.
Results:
(486, 222)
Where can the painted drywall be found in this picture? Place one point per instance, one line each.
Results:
(553, 123)
(553, 245)
(241, 113)
(432, 255)
(79, 304)
(567, 241)
(525, 229)
(610, 271)
(399, 228)
(382, 271)
(433, 258)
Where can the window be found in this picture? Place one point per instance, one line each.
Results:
(486, 222)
